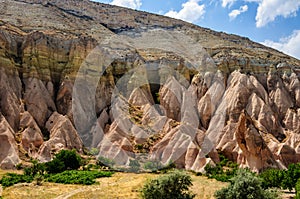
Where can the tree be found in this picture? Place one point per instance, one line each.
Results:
(169, 186)
(36, 169)
(55, 166)
(64, 160)
(245, 185)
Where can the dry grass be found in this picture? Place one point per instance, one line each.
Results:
(46, 191)
(2, 172)
(205, 188)
(120, 185)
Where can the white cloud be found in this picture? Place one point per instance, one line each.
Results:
(268, 10)
(191, 11)
(234, 13)
(289, 45)
(134, 4)
(228, 3)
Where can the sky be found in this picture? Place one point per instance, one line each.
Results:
(274, 23)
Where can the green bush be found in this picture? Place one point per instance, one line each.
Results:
(219, 173)
(245, 185)
(134, 165)
(157, 166)
(297, 188)
(291, 176)
(211, 171)
(55, 166)
(78, 177)
(169, 167)
(223, 160)
(222, 171)
(38, 179)
(19, 166)
(169, 186)
(272, 178)
(70, 158)
(93, 151)
(153, 165)
(64, 160)
(103, 161)
(36, 168)
(66, 177)
(10, 179)
(88, 167)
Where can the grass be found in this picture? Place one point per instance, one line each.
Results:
(3, 172)
(47, 190)
(120, 185)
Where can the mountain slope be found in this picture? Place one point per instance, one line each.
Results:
(134, 85)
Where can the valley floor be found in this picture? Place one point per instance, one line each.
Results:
(120, 185)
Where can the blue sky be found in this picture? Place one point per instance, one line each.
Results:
(275, 23)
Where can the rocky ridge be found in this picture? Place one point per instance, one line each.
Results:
(80, 74)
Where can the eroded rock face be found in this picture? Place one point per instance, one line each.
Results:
(38, 100)
(171, 98)
(62, 136)
(10, 97)
(9, 156)
(254, 152)
(32, 137)
(148, 88)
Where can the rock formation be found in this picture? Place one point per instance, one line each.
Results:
(9, 150)
(79, 74)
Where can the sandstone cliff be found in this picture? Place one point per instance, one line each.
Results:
(80, 74)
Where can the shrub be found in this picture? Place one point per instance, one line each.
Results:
(170, 166)
(291, 176)
(36, 168)
(134, 165)
(217, 172)
(88, 167)
(211, 171)
(10, 179)
(223, 160)
(64, 160)
(39, 179)
(153, 165)
(55, 166)
(271, 178)
(297, 188)
(169, 186)
(78, 177)
(223, 171)
(19, 166)
(70, 159)
(94, 151)
(245, 185)
(103, 161)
